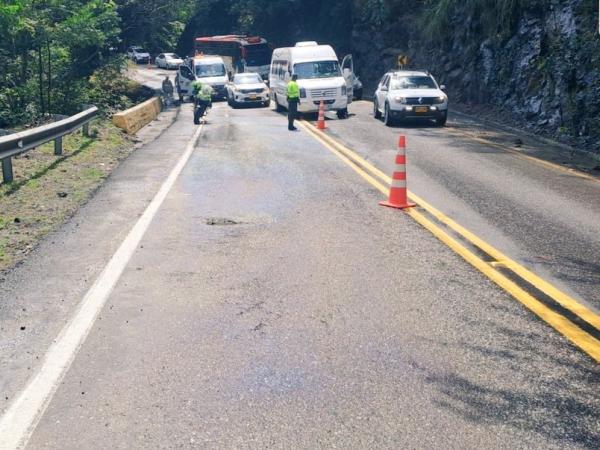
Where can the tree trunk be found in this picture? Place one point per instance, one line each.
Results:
(49, 103)
(41, 81)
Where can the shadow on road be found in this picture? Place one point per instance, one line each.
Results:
(561, 403)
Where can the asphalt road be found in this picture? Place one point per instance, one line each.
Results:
(545, 218)
(272, 303)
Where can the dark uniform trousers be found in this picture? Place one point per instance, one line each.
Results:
(292, 111)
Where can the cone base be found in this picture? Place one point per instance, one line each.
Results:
(320, 127)
(398, 206)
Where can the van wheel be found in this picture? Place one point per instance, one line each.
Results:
(376, 112)
(342, 113)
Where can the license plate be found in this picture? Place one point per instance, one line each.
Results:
(253, 97)
(421, 109)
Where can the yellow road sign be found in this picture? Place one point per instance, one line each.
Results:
(402, 60)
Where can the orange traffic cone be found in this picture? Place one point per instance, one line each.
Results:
(321, 121)
(398, 191)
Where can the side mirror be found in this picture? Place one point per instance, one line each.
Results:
(443, 87)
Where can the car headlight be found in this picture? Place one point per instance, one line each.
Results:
(442, 99)
(302, 93)
(400, 99)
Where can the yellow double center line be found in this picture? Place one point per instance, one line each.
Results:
(585, 341)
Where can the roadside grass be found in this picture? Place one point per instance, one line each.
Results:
(48, 189)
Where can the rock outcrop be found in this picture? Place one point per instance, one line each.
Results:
(542, 69)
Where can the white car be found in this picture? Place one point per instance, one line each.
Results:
(247, 88)
(138, 55)
(408, 94)
(168, 61)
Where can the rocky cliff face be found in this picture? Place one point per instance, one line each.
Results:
(541, 69)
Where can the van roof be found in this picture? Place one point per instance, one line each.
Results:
(311, 53)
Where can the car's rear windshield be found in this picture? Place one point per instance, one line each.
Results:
(418, 82)
(172, 55)
(317, 69)
(247, 78)
(139, 50)
(210, 70)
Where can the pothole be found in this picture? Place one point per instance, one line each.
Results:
(222, 221)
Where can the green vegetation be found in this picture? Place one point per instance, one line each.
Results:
(56, 55)
(47, 189)
(496, 17)
(47, 50)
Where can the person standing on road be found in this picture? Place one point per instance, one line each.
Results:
(293, 98)
(167, 88)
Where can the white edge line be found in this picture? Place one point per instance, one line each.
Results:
(20, 419)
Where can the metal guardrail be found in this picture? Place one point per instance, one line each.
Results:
(17, 143)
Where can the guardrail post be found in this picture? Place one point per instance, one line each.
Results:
(85, 129)
(58, 146)
(7, 172)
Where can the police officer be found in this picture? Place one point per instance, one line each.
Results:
(202, 99)
(293, 98)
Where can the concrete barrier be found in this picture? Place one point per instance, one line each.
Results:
(135, 118)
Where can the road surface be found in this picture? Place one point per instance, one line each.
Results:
(263, 299)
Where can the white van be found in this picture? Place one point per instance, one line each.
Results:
(206, 69)
(319, 77)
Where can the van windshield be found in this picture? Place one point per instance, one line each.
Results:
(210, 70)
(317, 69)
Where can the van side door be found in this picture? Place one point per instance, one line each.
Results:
(185, 77)
(348, 73)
